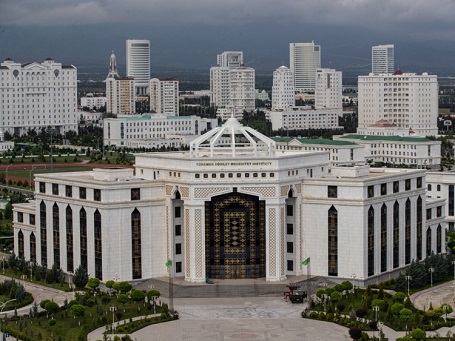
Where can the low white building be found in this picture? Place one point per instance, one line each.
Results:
(298, 118)
(232, 207)
(154, 130)
(441, 185)
(340, 152)
(93, 101)
(418, 152)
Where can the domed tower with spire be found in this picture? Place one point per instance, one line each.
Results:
(113, 67)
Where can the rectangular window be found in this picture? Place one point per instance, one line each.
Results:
(68, 191)
(135, 194)
(82, 193)
(42, 187)
(290, 247)
(290, 265)
(428, 213)
(396, 186)
(178, 230)
(177, 212)
(429, 187)
(439, 211)
(97, 194)
(20, 217)
(55, 189)
(332, 191)
(31, 219)
(370, 191)
(383, 189)
(178, 266)
(407, 184)
(290, 210)
(290, 228)
(178, 249)
(419, 182)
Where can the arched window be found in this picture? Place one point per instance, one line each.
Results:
(43, 233)
(136, 244)
(371, 241)
(69, 239)
(20, 242)
(384, 238)
(56, 234)
(333, 241)
(439, 239)
(419, 227)
(407, 232)
(396, 234)
(429, 240)
(83, 237)
(98, 245)
(32, 248)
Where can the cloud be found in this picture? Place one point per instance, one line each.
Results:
(418, 17)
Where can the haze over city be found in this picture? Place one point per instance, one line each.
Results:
(186, 36)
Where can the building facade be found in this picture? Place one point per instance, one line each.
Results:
(164, 95)
(302, 118)
(138, 64)
(408, 100)
(232, 207)
(93, 101)
(120, 91)
(283, 89)
(383, 59)
(329, 89)
(154, 130)
(38, 96)
(242, 91)
(305, 59)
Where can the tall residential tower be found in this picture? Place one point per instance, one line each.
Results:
(138, 64)
(382, 59)
(305, 58)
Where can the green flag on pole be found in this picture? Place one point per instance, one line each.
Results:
(168, 263)
(306, 261)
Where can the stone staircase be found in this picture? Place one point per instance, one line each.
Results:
(226, 288)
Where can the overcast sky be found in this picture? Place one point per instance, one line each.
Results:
(282, 21)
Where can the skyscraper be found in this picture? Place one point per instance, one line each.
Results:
(138, 64)
(120, 98)
(382, 59)
(283, 89)
(305, 58)
(164, 95)
(329, 89)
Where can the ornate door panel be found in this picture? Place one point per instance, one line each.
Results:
(235, 236)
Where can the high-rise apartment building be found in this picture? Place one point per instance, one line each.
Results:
(38, 95)
(164, 95)
(283, 89)
(383, 59)
(305, 58)
(138, 64)
(407, 100)
(120, 91)
(231, 84)
(329, 89)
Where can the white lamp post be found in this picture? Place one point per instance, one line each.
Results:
(113, 309)
(431, 275)
(408, 278)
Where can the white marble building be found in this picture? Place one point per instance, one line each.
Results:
(232, 207)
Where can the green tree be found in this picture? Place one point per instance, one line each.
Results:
(51, 307)
(418, 334)
(396, 308)
(153, 295)
(123, 287)
(78, 310)
(335, 296)
(137, 295)
(80, 278)
(355, 333)
(93, 283)
(122, 298)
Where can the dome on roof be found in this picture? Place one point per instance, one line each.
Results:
(232, 140)
(397, 73)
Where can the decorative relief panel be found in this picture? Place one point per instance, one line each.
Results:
(205, 192)
(298, 188)
(187, 243)
(272, 242)
(267, 192)
(185, 192)
(198, 242)
(283, 241)
(169, 189)
(284, 191)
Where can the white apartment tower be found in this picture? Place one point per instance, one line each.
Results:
(138, 64)
(305, 58)
(383, 59)
(408, 100)
(242, 88)
(231, 84)
(120, 91)
(164, 95)
(38, 95)
(283, 89)
(329, 89)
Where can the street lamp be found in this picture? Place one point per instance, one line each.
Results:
(3, 264)
(113, 309)
(31, 272)
(431, 270)
(428, 298)
(408, 278)
(376, 309)
(353, 280)
(1, 311)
